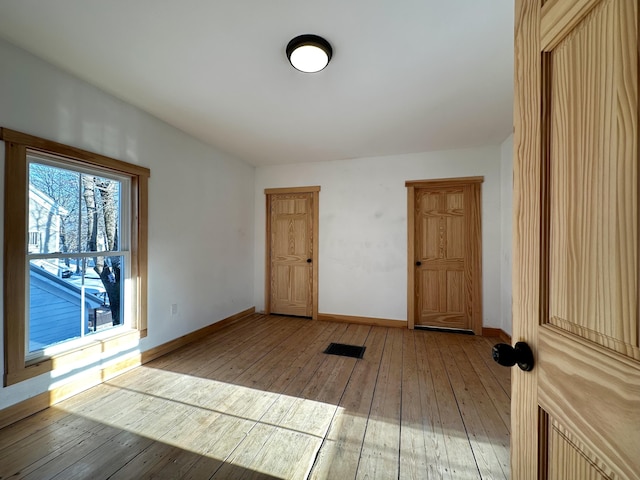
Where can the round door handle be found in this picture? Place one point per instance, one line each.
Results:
(418, 263)
(308, 260)
(508, 356)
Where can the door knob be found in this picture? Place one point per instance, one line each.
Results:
(509, 356)
(418, 263)
(308, 260)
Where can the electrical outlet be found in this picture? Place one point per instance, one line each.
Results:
(174, 309)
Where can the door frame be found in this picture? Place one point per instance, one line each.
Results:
(475, 250)
(315, 191)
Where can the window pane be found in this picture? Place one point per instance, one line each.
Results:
(100, 204)
(53, 209)
(72, 298)
(71, 211)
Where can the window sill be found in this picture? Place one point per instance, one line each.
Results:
(90, 350)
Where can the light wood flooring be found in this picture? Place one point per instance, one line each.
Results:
(259, 399)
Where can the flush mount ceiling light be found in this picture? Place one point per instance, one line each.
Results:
(309, 53)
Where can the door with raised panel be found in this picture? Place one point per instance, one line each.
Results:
(576, 415)
(292, 251)
(446, 253)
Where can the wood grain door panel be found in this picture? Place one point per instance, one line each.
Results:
(592, 394)
(291, 290)
(444, 303)
(577, 415)
(446, 263)
(292, 251)
(291, 246)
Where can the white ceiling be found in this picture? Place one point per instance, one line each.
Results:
(406, 75)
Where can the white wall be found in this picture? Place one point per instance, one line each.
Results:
(201, 204)
(363, 227)
(506, 201)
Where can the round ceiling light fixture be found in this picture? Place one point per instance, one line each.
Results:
(309, 53)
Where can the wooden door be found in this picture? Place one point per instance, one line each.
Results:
(576, 415)
(292, 251)
(444, 259)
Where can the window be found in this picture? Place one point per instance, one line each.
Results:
(77, 274)
(75, 253)
(34, 241)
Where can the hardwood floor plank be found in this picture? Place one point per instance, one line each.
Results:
(92, 438)
(461, 463)
(210, 352)
(89, 398)
(157, 461)
(296, 374)
(208, 433)
(219, 354)
(279, 372)
(247, 404)
(312, 411)
(501, 400)
(113, 411)
(214, 392)
(260, 399)
(304, 418)
(155, 424)
(478, 416)
(296, 383)
(29, 426)
(103, 462)
(254, 403)
(222, 437)
(37, 449)
(203, 468)
(338, 457)
(496, 430)
(432, 424)
(380, 451)
(422, 451)
(272, 451)
(245, 358)
(413, 451)
(265, 373)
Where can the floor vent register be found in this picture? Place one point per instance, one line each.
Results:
(344, 350)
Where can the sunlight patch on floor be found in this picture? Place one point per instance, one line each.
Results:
(267, 432)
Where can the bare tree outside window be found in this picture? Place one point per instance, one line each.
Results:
(101, 196)
(73, 214)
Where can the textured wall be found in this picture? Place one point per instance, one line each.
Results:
(363, 226)
(200, 200)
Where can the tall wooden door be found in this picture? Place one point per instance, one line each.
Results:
(444, 258)
(576, 415)
(292, 251)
